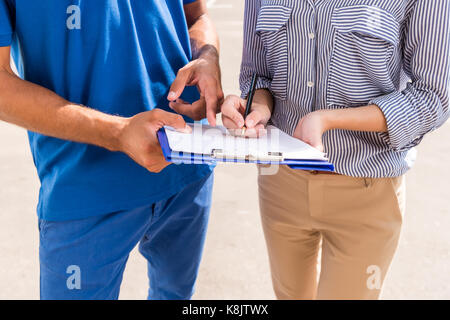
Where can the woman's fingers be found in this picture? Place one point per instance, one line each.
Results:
(229, 123)
(261, 130)
(256, 132)
(317, 143)
(233, 119)
(253, 119)
(310, 131)
(231, 115)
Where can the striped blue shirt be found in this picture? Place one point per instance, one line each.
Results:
(329, 54)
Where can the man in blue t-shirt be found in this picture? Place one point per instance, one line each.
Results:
(97, 80)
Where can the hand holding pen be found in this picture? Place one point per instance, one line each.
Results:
(248, 118)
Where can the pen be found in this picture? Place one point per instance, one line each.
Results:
(251, 94)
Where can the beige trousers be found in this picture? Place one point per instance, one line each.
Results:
(354, 222)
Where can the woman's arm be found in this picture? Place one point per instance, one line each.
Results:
(311, 128)
(410, 114)
(253, 62)
(368, 118)
(254, 52)
(424, 105)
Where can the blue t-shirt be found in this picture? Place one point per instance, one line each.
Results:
(116, 56)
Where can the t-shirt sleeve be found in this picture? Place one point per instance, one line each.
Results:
(188, 1)
(6, 28)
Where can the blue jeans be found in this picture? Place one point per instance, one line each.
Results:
(85, 259)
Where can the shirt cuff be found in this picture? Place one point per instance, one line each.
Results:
(5, 39)
(403, 125)
(261, 83)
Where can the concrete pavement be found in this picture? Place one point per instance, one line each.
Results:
(235, 263)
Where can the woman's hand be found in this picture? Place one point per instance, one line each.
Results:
(311, 128)
(233, 110)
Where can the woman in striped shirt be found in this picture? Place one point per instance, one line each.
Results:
(363, 80)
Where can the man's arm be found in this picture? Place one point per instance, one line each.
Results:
(40, 110)
(203, 71)
(203, 35)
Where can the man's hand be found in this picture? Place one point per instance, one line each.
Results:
(233, 110)
(204, 73)
(139, 141)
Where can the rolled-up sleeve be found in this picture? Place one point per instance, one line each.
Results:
(254, 56)
(424, 105)
(6, 28)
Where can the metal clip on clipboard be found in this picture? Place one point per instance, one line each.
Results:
(270, 157)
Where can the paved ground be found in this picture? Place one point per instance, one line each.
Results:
(235, 263)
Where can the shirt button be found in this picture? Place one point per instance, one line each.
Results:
(311, 35)
(310, 84)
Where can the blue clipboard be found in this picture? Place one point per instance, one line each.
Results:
(213, 158)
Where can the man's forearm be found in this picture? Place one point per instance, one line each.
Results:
(369, 118)
(40, 110)
(204, 39)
